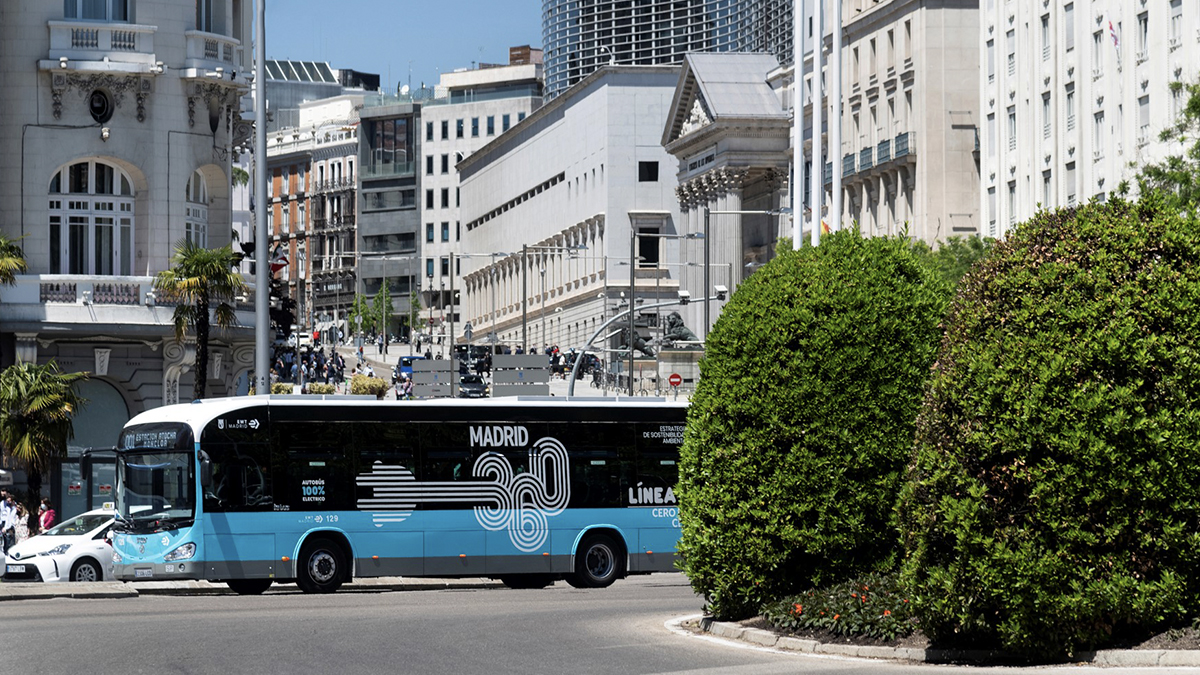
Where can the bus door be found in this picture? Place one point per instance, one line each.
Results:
(653, 494)
(455, 542)
(238, 542)
(393, 543)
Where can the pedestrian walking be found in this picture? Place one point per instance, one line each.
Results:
(8, 521)
(46, 515)
(22, 528)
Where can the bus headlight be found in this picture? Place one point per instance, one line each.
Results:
(184, 552)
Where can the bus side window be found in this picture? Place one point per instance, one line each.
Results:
(317, 465)
(241, 478)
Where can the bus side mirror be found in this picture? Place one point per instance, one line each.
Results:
(205, 472)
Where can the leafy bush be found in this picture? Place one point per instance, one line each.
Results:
(955, 256)
(802, 423)
(362, 385)
(874, 606)
(282, 388)
(1053, 498)
(321, 388)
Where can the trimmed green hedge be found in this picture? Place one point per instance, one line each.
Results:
(362, 385)
(282, 388)
(802, 422)
(321, 388)
(1054, 499)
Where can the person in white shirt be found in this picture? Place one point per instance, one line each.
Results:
(8, 521)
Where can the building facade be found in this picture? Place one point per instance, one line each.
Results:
(580, 37)
(121, 117)
(553, 207)
(1075, 92)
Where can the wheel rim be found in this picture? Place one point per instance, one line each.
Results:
(85, 573)
(322, 567)
(599, 561)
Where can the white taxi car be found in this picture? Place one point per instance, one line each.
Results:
(76, 549)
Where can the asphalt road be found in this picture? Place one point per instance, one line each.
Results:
(620, 629)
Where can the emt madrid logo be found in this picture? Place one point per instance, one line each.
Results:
(520, 503)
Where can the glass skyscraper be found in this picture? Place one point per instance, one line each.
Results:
(579, 36)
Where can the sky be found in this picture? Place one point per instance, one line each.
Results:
(388, 37)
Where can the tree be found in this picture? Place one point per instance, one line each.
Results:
(381, 307)
(361, 317)
(37, 406)
(198, 278)
(12, 260)
(1176, 176)
(954, 256)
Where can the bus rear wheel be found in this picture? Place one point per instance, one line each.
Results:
(248, 586)
(322, 567)
(527, 580)
(597, 564)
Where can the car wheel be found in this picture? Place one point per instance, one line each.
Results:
(597, 563)
(248, 586)
(322, 567)
(86, 570)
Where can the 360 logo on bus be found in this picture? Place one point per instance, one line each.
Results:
(519, 503)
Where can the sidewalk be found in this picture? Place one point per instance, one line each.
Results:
(122, 589)
(1126, 658)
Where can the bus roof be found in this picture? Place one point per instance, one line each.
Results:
(199, 413)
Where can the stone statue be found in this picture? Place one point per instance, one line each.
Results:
(639, 343)
(676, 331)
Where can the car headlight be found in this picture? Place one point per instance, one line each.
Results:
(117, 559)
(184, 552)
(57, 550)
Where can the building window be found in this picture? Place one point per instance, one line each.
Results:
(445, 231)
(991, 61)
(474, 127)
(195, 219)
(1143, 43)
(1069, 25)
(491, 125)
(908, 38)
(1047, 116)
(1071, 184)
(429, 131)
(1012, 203)
(445, 267)
(991, 134)
(992, 212)
(1047, 194)
(445, 163)
(1176, 22)
(105, 10)
(428, 165)
(445, 198)
(1097, 53)
(520, 116)
(458, 128)
(505, 121)
(1143, 119)
(429, 268)
(1045, 37)
(1010, 40)
(285, 179)
(647, 172)
(429, 233)
(1012, 128)
(1070, 106)
(1098, 135)
(445, 129)
(429, 199)
(285, 223)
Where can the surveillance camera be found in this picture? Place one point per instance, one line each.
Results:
(721, 291)
(684, 297)
(105, 133)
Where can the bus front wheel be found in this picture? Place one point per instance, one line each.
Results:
(322, 567)
(597, 564)
(248, 586)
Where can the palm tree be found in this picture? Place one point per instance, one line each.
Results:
(37, 406)
(198, 278)
(12, 260)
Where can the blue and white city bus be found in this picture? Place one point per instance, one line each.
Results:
(252, 490)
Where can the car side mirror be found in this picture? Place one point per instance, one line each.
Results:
(205, 471)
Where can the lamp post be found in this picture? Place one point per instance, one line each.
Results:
(429, 277)
(412, 320)
(543, 303)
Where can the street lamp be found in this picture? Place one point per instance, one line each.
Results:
(543, 303)
(430, 278)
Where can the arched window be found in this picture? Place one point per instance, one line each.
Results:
(91, 212)
(195, 222)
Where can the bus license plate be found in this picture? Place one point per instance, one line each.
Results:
(16, 569)
(143, 573)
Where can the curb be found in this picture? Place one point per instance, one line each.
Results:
(1128, 658)
(120, 589)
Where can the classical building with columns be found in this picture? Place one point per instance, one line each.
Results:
(551, 209)
(120, 119)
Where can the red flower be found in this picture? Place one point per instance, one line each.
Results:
(835, 617)
(799, 609)
(887, 612)
(854, 595)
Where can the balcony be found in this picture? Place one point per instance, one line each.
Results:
(848, 165)
(865, 159)
(122, 47)
(119, 305)
(827, 178)
(334, 185)
(206, 51)
(883, 151)
(904, 146)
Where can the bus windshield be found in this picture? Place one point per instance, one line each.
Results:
(156, 478)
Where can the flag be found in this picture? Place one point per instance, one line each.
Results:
(279, 259)
(1113, 32)
(824, 227)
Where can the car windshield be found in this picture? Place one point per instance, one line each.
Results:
(472, 379)
(78, 525)
(156, 477)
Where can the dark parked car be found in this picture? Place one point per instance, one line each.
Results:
(472, 386)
